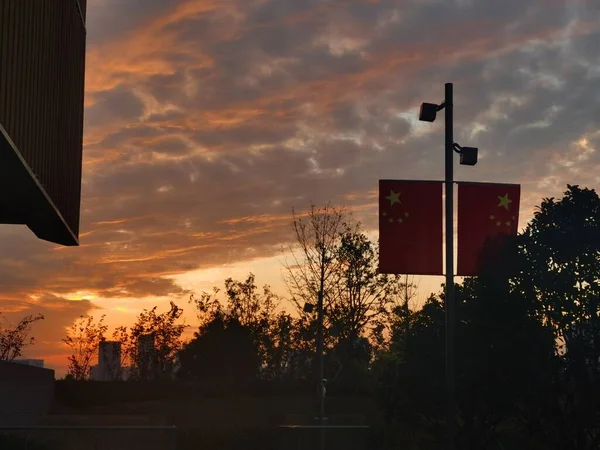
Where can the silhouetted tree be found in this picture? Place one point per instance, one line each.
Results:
(505, 358)
(561, 248)
(222, 352)
(361, 294)
(83, 338)
(280, 348)
(411, 383)
(152, 344)
(311, 267)
(13, 339)
(256, 311)
(362, 300)
(333, 259)
(395, 319)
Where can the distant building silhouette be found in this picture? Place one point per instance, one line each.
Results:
(30, 362)
(109, 362)
(95, 373)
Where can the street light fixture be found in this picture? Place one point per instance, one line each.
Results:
(428, 112)
(468, 157)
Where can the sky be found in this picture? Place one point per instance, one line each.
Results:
(207, 121)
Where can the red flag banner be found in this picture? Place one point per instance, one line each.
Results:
(410, 227)
(486, 213)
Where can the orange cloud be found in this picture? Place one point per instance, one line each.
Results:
(142, 52)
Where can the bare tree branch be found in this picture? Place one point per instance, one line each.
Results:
(14, 339)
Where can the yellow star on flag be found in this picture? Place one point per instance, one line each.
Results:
(504, 201)
(394, 197)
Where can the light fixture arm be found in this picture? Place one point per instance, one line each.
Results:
(457, 148)
(441, 105)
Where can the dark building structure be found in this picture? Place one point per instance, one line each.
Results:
(26, 393)
(42, 70)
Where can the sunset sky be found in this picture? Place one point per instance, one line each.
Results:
(207, 121)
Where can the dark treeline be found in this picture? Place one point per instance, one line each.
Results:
(528, 341)
(245, 336)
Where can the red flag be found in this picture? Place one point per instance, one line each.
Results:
(410, 227)
(486, 213)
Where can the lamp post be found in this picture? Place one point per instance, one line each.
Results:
(309, 307)
(468, 156)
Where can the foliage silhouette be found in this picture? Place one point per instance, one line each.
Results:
(223, 351)
(13, 339)
(83, 338)
(272, 331)
(561, 249)
(504, 354)
(335, 261)
(152, 344)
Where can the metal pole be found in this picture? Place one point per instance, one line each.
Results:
(320, 369)
(174, 439)
(450, 306)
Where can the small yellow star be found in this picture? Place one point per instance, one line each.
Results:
(508, 223)
(391, 220)
(498, 224)
(394, 197)
(384, 214)
(400, 220)
(504, 201)
(514, 218)
(405, 214)
(492, 217)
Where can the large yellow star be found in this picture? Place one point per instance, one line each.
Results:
(394, 197)
(504, 201)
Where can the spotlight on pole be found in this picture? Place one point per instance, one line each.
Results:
(468, 156)
(428, 112)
